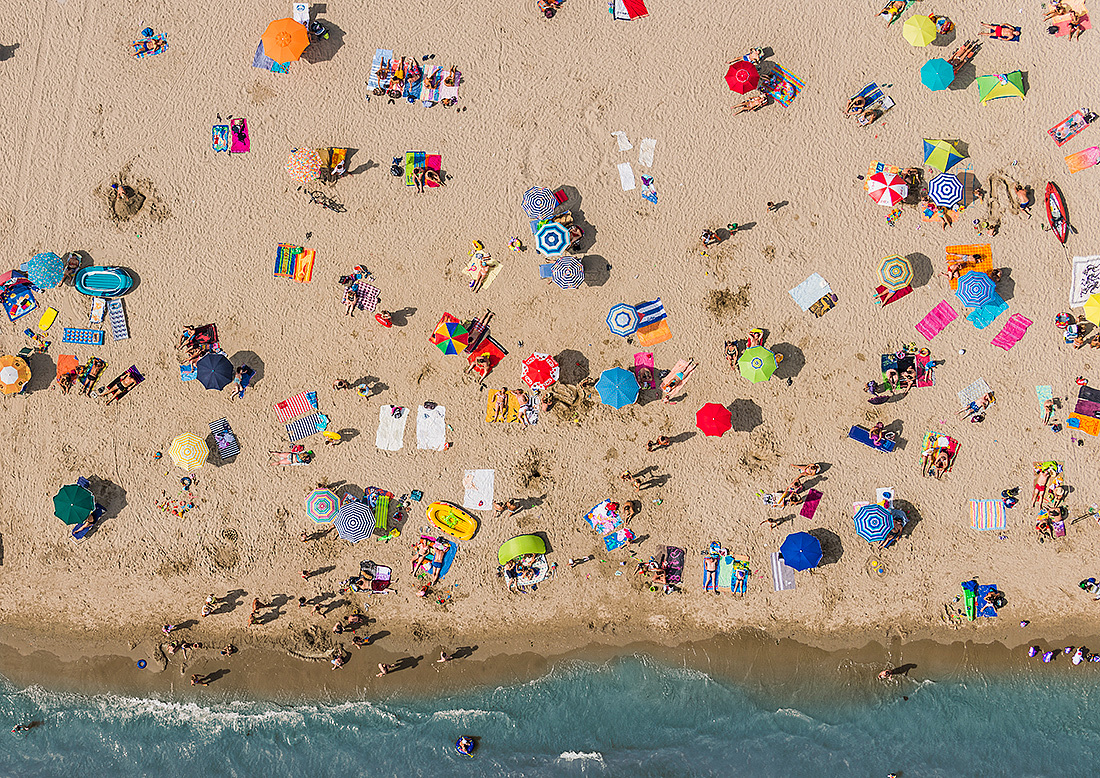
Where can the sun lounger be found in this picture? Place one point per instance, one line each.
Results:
(122, 389)
(938, 318)
(874, 98)
(1011, 333)
(863, 435)
(226, 441)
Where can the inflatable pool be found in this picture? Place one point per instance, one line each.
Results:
(452, 520)
(103, 281)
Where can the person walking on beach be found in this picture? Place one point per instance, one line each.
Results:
(167, 628)
(385, 669)
(661, 442)
(200, 680)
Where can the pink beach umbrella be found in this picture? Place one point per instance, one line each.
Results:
(887, 188)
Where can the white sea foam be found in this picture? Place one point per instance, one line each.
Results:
(573, 756)
(462, 714)
(795, 714)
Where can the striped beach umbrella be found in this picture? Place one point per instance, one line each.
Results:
(189, 452)
(887, 188)
(975, 288)
(757, 364)
(322, 505)
(552, 239)
(540, 371)
(73, 504)
(937, 74)
(568, 272)
(895, 272)
(873, 522)
(945, 190)
(304, 165)
(617, 387)
(539, 202)
(451, 337)
(45, 270)
(354, 522)
(623, 320)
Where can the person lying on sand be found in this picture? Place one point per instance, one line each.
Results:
(500, 404)
(524, 405)
(1056, 9)
(808, 471)
(1004, 32)
(1023, 198)
(661, 442)
(754, 103)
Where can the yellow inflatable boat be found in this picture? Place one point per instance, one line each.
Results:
(452, 520)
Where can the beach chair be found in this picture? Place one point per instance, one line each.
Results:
(863, 435)
(226, 441)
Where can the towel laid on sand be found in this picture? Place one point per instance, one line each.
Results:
(938, 318)
(1011, 333)
(301, 403)
(1083, 160)
(782, 575)
(624, 144)
(626, 176)
(306, 426)
(810, 291)
(382, 58)
(982, 316)
(809, 505)
(1085, 279)
(478, 489)
(391, 428)
(431, 428)
(645, 152)
(987, 514)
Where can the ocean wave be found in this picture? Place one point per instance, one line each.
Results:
(573, 756)
(795, 714)
(463, 713)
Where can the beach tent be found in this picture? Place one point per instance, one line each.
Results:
(617, 387)
(873, 522)
(801, 550)
(757, 364)
(742, 77)
(73, 504)
(714, 420)
(540, 371)
(937, 74)
(895, 272)
(520, 545)
(941, 155)
(189, 452)
(1000, 85)
(919, 30)
(284, 40)
(322, 505)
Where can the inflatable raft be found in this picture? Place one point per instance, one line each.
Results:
(452, 520)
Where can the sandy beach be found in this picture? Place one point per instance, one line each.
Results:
(539, 101)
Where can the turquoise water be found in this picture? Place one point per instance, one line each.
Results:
(631, 717)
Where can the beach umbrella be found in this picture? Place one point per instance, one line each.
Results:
(801, 550)
(945, 190)
(552, 239)
(354, 521)
(742, 77)
(322, 505)
(757, 364)
(617, 387)
(568, 272)
(14, 374)
(937, 74)
(540, 371)
(1000, 85)
(73, 504)
(539, 202)
(623, 320)
(214, 371)
(284, 40)
(887, 188)
(919, 30)
(304, 165)
(873, 522)
(975, 288)
(189, 452)
(714, 420)
(451, 337)
(940, 154)
(1092, 308)
(895, 272)
(45, 270)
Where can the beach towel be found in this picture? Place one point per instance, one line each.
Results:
(649, 191)
(303, 268)
(626, 176)
(433, 162)
(448, 556)
(650, 312)
(97, 311)
(414, 82)
(19, 302)
(884, 296)
(863, 435)
(603, 519)
(1011, 333)
(674, 564)
(973, 393)
(1044, 393)
(938, 318)
(1083, 159)
(986, 609)
(116, 315)
(224, 439)
(431, 428)
(824, 305)
(478, 489)
(1088, 393)
(987, 515)
(1087, 424)
(878, 167)
(382, 58)
(652, 334)
(787, 89)
(982, 316)
(1062, 23)
(618, 539)
(810, 503)
(286, 259)
(1068, 128)
(82, 337)
(429, 94)
(724, 579)
(494, 270)
(367, 296)
(66, 363)
(220, 137)
(965, 253)
(510, 415)
(413, 160)
(491, 349)
(286, 459)
(635, 9)
(188, 372)
(391, 428)
(1084, 279)
(264, 62)
(624, 144)
(150, 47)
(782, 575)
(301, 403)
(449, 92)
(238, 136)
(645, 152)
(306, 426)
(810, 291)
(644, 360)
(1087, 408)
(926, 375)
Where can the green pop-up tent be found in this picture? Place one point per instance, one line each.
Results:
(519, 546)
(1000, 85)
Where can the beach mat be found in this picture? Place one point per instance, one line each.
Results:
(938, 318)
(380, 56)
(626, 176)
(810, 503)
(82, 337)
(116, 316)
(219, 137)
(1011, 333)
(510, 415)
(307, 425)
(987, 515)
(1083, 159)
(984, 315)
(810, 291)
(986, 609)
(1068, 127)
(1085, 279)
(391, 429)
(431, 428)
(645, 152)
(782, 575)
(477, 488)
(299, 404)
(239, 145)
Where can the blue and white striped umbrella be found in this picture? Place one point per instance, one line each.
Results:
(45, 270)
(568, 273)
(975, 288)
(945, 190)
(552, 239)
(873, 522)
(354, 522)
(623, 320)
(539, 202)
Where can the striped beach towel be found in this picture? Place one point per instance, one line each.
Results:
(382, 58)
(286, 259)
(782, 575)
(784, 94)
(306, 426)
(987, 514)
(650, 312)
(82, 337)
(367, 296)
(1011, 333)
(303, 402)
(938, 318)
(413, 160)
(149, 47)
(117, 316)
(226, 441)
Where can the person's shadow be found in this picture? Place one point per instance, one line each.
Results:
(464, 652)
(406, 663)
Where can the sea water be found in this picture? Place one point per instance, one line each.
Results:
(628, 717)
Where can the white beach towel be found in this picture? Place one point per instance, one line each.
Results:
(621, 14)
(782, 576)
(1085, 280)
(881, 492)
(479, 489)
(431, 428)
(624, 144)
(810, 291)
(645, 152)
(391, 429)
(973, 393)
(626, 176)
(301, 13)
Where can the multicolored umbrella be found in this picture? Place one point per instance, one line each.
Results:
(975, 288)
(304, 165)
(451, 337)
(568, 272)
(552, 239)
(887, 188)
(1092, 308)
(941, 155)
(354, 522)
(540, 371)
(937, 74)
(322, 505)
(873, 522)
(919, 30)
(14, 374)
(801, 550)
(214, 371)
(1000, 85)
(757, 364)
(617, 387)
(714, 420)
(945, 190)
(895, 272)
(284, 40)
(539, 202)
(623, 320)
(45, 270)
(73, 504)
(189, 452)
(742, 77)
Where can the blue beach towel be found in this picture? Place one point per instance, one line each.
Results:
(380, 56)
(188, 372)
(983, 316)
(82, 337)
(986, 608)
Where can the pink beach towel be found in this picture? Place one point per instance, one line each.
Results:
(809, 505)
(938, 318)
(1011, 333)
(644, 359)
(298, 405)
(433, 162)
(239, 139)
(1062, 23)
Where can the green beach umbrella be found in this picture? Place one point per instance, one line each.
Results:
(73, 504)
(941, 155)
(1000, 85)
(757, 364)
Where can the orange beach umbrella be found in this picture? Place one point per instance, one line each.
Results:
(284, 40)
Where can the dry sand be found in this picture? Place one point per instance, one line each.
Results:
(542, 100)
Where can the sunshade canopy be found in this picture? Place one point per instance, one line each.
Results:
(975, 288)
(945, 190)
(937, 74)
(451, 337)
(520, 545)
(568, 272)
(873, 522)
(1092, 308)
(757, 364)
(14, 374)
(887, 189)
(45, 270)
(623, 320)
(617, 387)
(895, 272)
(214, 371)
(919, 30)
(941, 155)
(322, 505)
(552, 239)
(354, 521)
(284, 40)
(73, 504)
(189, 452)
(742, 77)
(1000, 85)
(713, 419)
(539, 202)
(540, 371)
(801, 550)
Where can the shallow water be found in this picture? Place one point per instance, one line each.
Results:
(629, 717)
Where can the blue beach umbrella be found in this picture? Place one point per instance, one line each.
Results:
(539, 202)
(945, 190)
(801, 550)
(552, 239)
(214, 371)
(623, 320)
(937, 74)
(617, 387)
(975, 288)
(45, 270)
(568, 272)
(354, 522)
(873, 522)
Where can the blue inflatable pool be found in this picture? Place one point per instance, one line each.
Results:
(103, 281)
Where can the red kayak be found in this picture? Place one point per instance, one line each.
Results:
(1056, 212)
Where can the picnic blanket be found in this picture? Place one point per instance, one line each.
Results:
(116, 315)
(810, 503)
(1011, 333)
(367, 296)
(82, 337)
(987, 515)
(306, 426)
(301, 403)
(391, 428)
(938, 318)
(782, 575)
(982, 316)
(810, 291)
(1068, 128)
(478, 489)
(973, 393)
(626, 176)
(1084, 159)
(431, 428)
(1084, 279)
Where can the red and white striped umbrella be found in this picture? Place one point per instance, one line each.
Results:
(540, 371)
(887, 188)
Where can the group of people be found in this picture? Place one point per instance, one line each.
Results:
(500, 405)
(792, 495)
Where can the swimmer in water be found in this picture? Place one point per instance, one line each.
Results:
(465, 745)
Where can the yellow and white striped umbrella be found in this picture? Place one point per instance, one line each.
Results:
(189, 452)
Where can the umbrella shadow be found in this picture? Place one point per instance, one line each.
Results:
(7, 51)
(249, 358)
(597, 270)
(401, 318)
(321, 49)
(965, 75)
(573, 367)
(340, 488)
(1006, 287)
(793, 360)
(831, 547)
(947, 38)
(43, 372)
(912, 515)
(922, 269)
(109, 494)
(216, 459)
(746, 415)
(573, 205)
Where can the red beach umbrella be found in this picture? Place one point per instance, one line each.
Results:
(742, 77)
(540, 371)
(714, 420)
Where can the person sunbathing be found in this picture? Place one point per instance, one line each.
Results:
(868, 117)
(877, 433)
(1045, 529)
(755, 338)
(119, 387)
(676, 381)
(452, 76)
(1076, 27)
(185, 336)
(1058, 494)
(893, 9)
(421, 549)
(856, 105)
(753, 103)
(940, 462)
(500, 404)
(1023, 199)
(1056, 9)
(963, 54)
(1042, 478)
(1004, 32)
(808, 471)
(483, 263)
(433, 177)
(732, 354)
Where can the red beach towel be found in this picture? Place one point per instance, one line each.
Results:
(636, 8)
(1011, 333)
(298, 405)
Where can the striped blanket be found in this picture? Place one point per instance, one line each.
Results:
(301, 403)
(987, 514)
(306, 426)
